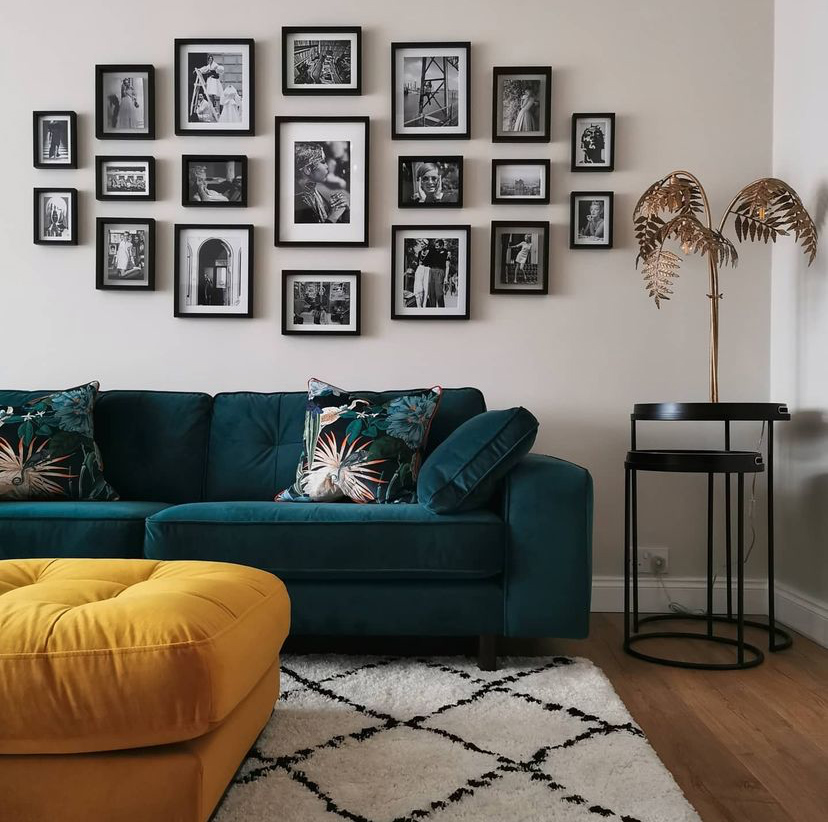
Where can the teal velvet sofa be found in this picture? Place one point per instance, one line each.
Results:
(197, 475)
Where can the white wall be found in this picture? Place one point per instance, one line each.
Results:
(690, 84)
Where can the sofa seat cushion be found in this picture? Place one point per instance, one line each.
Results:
(332, 540)
(99, 655)
(74, 529)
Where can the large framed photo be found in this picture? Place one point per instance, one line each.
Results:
(430, 272)
(126, 254)
(590, 221)
(431, 182)
(322, 181)
(125, 102)
(430, 91)
(521, 104)
(520, 257)
(55, 139)
(213, 271)
(124, 178)
(214, 180)
(321, 60)
(520, 181)
(55, 217)
(321, 302)
(593, 142)
(214, 86)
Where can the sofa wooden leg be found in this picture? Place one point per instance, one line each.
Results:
(487, 652)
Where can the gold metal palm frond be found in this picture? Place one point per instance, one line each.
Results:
(660, 268)
(696, 238)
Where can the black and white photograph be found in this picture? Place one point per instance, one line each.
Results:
(213, 271)
(591, 219)
(593, 142)
(321, 181)
(214, 86)
(126, 254)
(125, 102)
(430, 272)
(430, 90)
(218, 180)
(124, 178)
(54, 139)
(520, 181)
(55, 216)
(521, 104)
(321, 302)
(520, 257)
(321, 60)
(430, 182)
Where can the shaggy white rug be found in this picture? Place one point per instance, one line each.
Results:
(375, 739)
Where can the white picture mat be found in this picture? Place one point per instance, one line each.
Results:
(132, 227)
(43, 199)
(522, 171)
(312, 277)
(541, 111)
(581, 125)
(43, 137)
(322, 35)
(239, 239)
(139, 166)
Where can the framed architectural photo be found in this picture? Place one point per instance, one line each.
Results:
(213, 271)
(520, 181)
(214, 180)
(590, 221)
(124, 178)
(125, 253)
(430, 272)
(55, 139)
(430, 181)
(520, 257)
(321, 302)
(430, 91)
(321, 60)
(521, 104)
(322, 181)
(125, 102)
(55, 217)
(593, 142)
(215, 86)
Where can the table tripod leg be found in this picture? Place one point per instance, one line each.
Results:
(626, 555)
(740, 568)
(635, 548)
(771, 593)
(728, 530)
(710, 554)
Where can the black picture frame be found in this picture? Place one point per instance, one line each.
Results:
(498, 136)
(100, 190)
(403, 202)
(356, 302)
(574, 197)
(321, 90)
(543, 225)
(100, 273)
(72, 136)
(149, 108)
(249, 94)
(610, 164)
(545, 166)
(187, 159)
(72, 239)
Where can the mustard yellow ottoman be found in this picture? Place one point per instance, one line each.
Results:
(131, 690)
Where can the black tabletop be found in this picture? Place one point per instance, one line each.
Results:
(721, 411)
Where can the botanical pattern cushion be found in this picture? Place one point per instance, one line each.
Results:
(48, 451)
(361, 451)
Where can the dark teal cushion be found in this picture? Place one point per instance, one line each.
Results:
(461, 473)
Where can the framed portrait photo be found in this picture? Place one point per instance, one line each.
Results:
(321, 60)
(125, 253)
(125, 102)
(214, 180)
(520, 181)
(55, 139)
(213, 271)
(214, 86)
(520, 257)
(124, 178)
(430, 181)
(593, 142)
(322, 181)
(521, 104)
(430, 272)
(321, 302)
(590, 221)
(430, 91)
(55, 217)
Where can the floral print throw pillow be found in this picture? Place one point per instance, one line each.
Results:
(48, 451)
(361, 451)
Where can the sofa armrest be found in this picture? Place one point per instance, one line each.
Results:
(547, 506)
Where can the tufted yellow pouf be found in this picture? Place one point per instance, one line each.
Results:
(132, 689)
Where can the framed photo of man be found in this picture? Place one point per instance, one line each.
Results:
(520, 257)
(55, 139)
(322, 181)
(520, 182)
(125, 102)
(55, 217)
(124, 178)
(521, 104)
(593, 142)
(214, 180)
(591, 216)
(321, 302)
(321, 60)
(125, 254)
(430, 181)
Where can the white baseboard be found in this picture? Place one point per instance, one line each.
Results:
(803, 613)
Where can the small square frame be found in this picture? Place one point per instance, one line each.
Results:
(430, 158)
(149, 108)
(186, 159)
(73, 216)
(543, 225)
(356, 304)
(514, 136)
(573, 199)
(100, 279)
(100, 193)
(544, 163)
(320, 90)
(610, 164)
(72, 161)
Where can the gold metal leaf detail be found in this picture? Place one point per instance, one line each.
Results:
(660, 269)
(696, 238)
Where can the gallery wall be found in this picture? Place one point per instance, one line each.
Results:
(689, 83)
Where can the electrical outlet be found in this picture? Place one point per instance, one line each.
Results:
(653, 560)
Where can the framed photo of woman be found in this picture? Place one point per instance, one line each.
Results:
(431, 181)
(521, 103)
(55, 139)
(125, 102)
(55, 217)
(593, 142)
(126, 254)
(214, 180)
(591, 214)
(520, 257)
